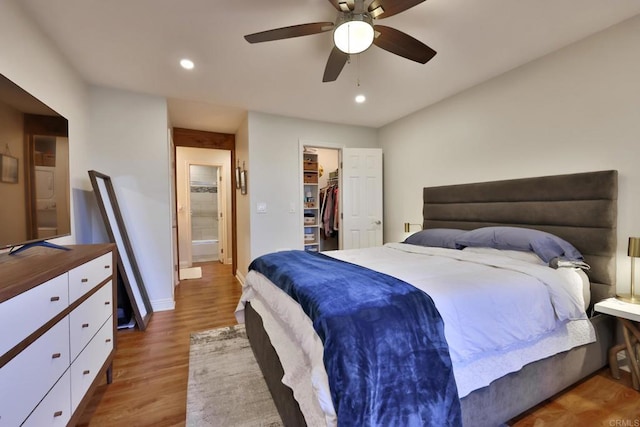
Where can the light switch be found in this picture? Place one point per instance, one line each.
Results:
(262, 207)
(292, 207)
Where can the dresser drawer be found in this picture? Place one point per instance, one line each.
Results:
(42, 302)
(85, 368)
(88, 317)
(87, 276)
(32, 373)
(55, 408)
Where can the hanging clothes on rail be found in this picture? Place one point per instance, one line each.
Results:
(329, 210)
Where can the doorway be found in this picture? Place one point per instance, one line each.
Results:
(328, 198)
(203, 185)
(353, 176)
(208, 149)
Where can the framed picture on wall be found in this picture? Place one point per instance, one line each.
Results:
(8, 169)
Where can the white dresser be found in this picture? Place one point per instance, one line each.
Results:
(57, 332)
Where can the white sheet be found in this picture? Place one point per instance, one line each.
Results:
(496, 319)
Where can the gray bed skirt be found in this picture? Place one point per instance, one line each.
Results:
(490, 406)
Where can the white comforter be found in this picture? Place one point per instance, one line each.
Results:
(499, 314)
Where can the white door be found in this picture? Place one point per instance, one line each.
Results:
(361, 225)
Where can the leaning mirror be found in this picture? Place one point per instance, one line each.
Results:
(127, 265)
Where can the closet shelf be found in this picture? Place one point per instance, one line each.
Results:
(311, 230)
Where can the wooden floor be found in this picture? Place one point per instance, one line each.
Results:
(151, 368)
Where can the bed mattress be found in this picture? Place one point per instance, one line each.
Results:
(500, 313)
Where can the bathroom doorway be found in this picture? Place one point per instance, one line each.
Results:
(203, 187)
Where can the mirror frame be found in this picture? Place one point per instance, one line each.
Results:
(127, 266)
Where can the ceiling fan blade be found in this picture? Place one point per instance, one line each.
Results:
(390, 7)
(335, 64)
(402, 44)
(289, 32)
(343, 5)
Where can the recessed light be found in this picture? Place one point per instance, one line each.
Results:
(187, 64)
(360, 99)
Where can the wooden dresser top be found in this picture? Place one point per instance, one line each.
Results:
(25, 270)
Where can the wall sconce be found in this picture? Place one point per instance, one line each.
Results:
(407, 227)
(634, 252)
(243, 180)
(238, 170)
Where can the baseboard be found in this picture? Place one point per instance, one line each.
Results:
(163, 304)
(240, 277)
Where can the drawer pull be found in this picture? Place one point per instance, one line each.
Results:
(84, 280)
(85, 372)
(107, 302)
(53, 299)
(107, 340)
(85, 325)
(107, 266)
(57, 414)
(56, 355)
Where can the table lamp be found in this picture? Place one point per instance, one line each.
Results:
(633, 252)
(407, 227)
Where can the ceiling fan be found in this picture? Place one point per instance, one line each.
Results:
(354, 32)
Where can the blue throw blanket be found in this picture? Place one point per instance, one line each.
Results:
(384, 347)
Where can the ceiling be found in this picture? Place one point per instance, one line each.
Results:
(136, 45)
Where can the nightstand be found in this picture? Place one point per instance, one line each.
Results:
(628, 315)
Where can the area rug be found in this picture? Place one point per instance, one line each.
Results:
(226, 387)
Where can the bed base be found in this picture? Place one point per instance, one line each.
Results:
(271, 368)
(490, 406)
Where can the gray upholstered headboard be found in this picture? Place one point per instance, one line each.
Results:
(581, 208)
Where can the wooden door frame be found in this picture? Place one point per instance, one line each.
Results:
(215, 141)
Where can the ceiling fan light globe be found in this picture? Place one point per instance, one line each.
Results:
(354, 36)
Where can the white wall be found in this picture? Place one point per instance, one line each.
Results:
(31, 61)
(243, 211)
(575, 110)
(273, 166)
(128, 142)
(329, 159)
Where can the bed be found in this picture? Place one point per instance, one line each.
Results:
(579, 208)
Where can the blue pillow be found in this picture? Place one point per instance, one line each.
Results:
(545, 245)
(435, 237)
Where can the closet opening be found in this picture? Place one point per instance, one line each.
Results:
(321, 198)
(341, 197)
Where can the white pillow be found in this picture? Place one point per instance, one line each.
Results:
(519, 255)
(580, 280)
